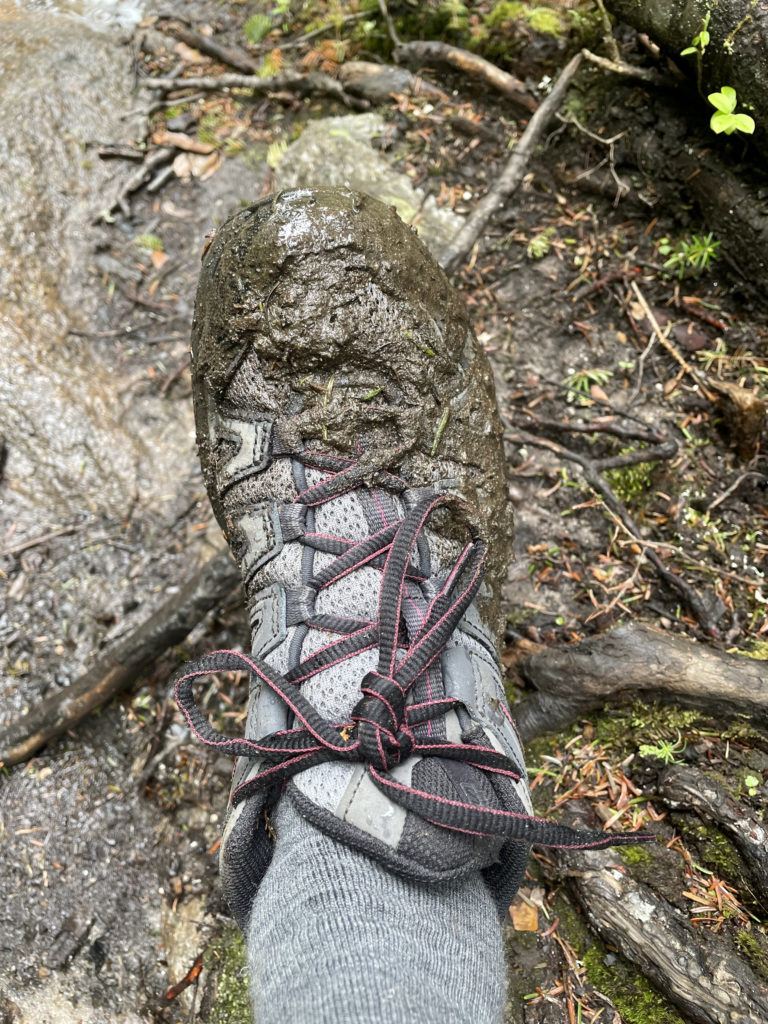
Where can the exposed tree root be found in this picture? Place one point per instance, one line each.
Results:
(422, 52)
(698, 971)
(618, 665)
(689, 788)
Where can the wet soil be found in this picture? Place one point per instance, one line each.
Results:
(108, 836)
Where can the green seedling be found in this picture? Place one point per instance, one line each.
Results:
(689, 256)
(580, 381)
(724, 121)
(665, 750)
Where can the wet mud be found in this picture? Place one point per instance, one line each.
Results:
(321, 309)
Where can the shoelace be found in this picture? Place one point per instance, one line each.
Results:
(380, 732)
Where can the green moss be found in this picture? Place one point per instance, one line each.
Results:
(637, 999)
(754, 946)
(624, 728)
(546, 21)
(758, 650)
(715, 851)
(634, 855)
(572, 925)
(630, 483)
(505, 13)
(226, 958)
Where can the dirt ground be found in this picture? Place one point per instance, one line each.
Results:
(110, 833)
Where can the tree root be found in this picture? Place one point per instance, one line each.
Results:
(681, 787)
(121, 664)
(696, 970)
(421, 52)
(313, 83)
(575, 680)
(592, 470)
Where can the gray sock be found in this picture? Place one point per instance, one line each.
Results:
(337, 939)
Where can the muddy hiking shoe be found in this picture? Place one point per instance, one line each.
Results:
(352, 451)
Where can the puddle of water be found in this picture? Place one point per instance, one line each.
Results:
(98, 14)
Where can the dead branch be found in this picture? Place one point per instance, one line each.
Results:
(689, 788)
(455, 253)
(592, 473)
(379, 82)
(122, 664)
(315, 82)
(423, 51)
(696, 970)
(574, 680)
(156, 158)
(620, 67)
(599, 427)
(232, 57)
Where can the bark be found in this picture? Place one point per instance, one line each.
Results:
(618, 665)
(685, 788)
(737, 54)
(698, 971)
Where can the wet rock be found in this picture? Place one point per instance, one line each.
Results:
(76, 444)
(339, 151)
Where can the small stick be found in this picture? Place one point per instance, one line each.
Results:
(621, 68)
(236, 58)
(422, 51)
(456, 252)
(662, 336)
(292, 81)
(43, 538)
(123, 663)
(599, 484)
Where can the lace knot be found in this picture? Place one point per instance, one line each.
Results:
(384, 740)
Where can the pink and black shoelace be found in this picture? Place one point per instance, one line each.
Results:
(382, 730)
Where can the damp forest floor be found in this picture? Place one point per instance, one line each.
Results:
(566, 287)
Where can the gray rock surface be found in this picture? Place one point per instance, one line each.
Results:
(338, 151)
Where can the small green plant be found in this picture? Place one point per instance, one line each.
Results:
(580, 382)
(539, 245)
(724, 121)
(275, 152)
(700, 42)
(665, 750)
(256, 27)
(689, 256)
(150, 242)
(752, 783)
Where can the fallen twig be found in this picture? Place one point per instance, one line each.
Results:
(121, 665)
(43, 538)
(576, 679)
(695, 374)
(620, 67)
(292, 81)
(142, 174)
(234, 58)
(455, 253)
(591, 470)
(599, 427)
(422, 51)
